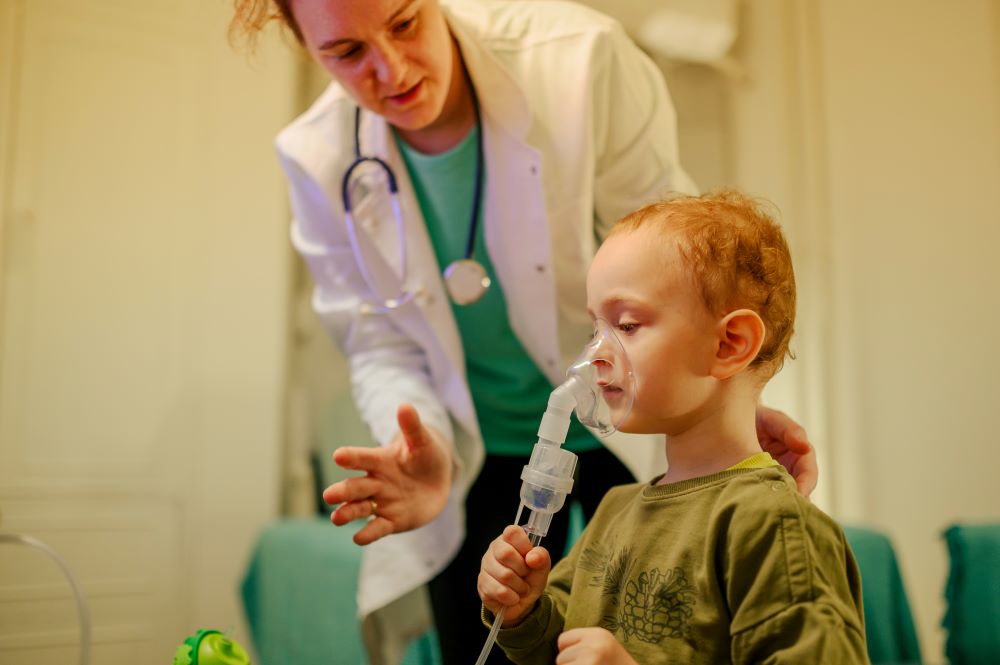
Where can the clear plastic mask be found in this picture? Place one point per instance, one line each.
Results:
(605, 386)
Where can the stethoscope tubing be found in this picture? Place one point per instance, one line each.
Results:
(404, 296)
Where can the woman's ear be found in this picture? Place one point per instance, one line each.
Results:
(740, 336)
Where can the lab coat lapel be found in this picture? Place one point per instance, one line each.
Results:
(515, 220)
(517, 238)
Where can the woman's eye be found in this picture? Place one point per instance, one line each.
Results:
(347, 54)
(404, 26)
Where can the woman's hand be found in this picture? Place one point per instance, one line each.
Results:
(788, 443)
(513, 575)
(591, 646)
(406, 483)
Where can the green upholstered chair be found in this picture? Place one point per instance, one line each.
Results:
(972, 593)
(299, 594)
(888, 620)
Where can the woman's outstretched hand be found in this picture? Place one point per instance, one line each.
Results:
(788, 443)
(405, 486)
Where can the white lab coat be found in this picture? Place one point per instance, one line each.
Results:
(578, 130)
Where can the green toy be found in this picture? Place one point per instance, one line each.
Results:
(210, 647)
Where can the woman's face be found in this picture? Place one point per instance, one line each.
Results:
(396, 58)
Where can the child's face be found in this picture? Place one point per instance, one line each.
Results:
(639, 284)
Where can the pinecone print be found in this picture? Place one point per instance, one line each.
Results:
(656, 605)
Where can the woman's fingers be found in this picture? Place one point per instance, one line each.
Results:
(352, 489)
(354, 510)
(355, 458)
(377, 528)
(410, 426)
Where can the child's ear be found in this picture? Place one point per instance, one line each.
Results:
(740, 336)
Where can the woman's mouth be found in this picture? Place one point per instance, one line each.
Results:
(408, 95)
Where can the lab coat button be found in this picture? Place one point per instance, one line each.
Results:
(534, 170)
(551, 362)
(540, 268)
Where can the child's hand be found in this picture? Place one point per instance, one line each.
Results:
(591, 646)
(513, 575)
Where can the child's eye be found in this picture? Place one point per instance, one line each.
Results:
(628, 327)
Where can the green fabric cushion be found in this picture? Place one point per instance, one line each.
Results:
(972, 593)
(299, 597)
(888, 621)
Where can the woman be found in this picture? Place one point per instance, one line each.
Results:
(517, 133)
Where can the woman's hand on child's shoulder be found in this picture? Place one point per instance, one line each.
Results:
(788, 443)
(591, 646)
(513, 575)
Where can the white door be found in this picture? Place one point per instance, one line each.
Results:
(143, 313)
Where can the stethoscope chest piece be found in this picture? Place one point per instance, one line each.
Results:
(466, 281)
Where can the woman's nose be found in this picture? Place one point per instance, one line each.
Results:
(390, 65)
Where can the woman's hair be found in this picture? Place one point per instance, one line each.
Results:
(738, 257)
(251, 16)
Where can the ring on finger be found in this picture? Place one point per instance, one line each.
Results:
(374, 505)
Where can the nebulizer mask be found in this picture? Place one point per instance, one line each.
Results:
(600, 389)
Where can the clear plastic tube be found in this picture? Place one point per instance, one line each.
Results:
(81, 603)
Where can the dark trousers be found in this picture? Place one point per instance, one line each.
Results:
(490, 507)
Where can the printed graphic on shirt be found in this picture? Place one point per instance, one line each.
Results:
(649, 605)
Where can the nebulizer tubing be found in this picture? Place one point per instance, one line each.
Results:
(548, 476)
(81, 603)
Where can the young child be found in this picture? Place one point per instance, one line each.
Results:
(720, 559)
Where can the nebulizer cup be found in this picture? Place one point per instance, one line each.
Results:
(600, 388)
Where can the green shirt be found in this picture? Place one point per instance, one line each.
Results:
(735, 567)
(508, 390)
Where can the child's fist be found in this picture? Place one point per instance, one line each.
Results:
(591, 646)
(513, 575)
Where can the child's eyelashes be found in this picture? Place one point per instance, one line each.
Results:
(624, 327)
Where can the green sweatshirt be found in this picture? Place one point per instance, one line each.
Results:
(736, 567)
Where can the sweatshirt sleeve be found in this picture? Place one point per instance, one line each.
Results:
(533, 641)
(806, 632)
(792, 584)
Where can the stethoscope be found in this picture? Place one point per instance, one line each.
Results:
(465, 279)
